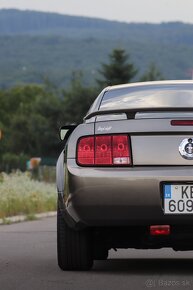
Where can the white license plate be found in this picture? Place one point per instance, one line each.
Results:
(178, 198)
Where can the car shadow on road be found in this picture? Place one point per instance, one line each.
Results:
(146, 266)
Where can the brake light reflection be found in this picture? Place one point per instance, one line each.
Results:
(160, 230)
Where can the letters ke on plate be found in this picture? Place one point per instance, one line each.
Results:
(178, 199)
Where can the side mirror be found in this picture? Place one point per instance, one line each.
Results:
(65, 131)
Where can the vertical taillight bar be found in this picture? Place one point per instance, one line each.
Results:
(121, 150)
(103, 150)
(85, 152)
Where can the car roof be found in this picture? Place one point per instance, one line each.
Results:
(151, 84)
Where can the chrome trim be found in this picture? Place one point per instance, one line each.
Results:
(186, 148)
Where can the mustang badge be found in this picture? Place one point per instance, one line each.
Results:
(186, 148)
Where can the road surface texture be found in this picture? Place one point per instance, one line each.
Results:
(28, 262)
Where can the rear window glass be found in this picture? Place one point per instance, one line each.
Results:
(163, 96)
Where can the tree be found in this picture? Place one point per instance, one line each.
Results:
(77, 99)
(151, 74)
(118, 71)
(30, 119)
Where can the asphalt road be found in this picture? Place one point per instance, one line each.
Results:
(28, 261)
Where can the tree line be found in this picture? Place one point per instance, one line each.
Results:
(32, 114)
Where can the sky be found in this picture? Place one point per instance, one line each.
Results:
(121, 10)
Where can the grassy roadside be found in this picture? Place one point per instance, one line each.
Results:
(20, 195)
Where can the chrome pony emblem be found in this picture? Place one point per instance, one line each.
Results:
(186, 148)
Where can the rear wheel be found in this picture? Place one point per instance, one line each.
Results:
(74, 247)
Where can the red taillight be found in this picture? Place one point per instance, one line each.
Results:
(182, 122)
(104, 150)
(86, 151)
(160, 230)
(121, 150)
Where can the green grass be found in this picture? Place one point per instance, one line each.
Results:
(19, 194)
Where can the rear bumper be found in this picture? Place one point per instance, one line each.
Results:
(122, 196)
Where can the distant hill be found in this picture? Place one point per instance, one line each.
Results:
(17, 22)
(35, 45)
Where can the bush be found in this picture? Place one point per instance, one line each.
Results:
(11, 161)
(19, 194)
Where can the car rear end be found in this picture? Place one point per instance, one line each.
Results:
(129, 168)
(126, 168)
(126, 187)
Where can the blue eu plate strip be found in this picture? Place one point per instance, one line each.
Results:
(167, 191)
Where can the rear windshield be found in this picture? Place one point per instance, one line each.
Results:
(162, 96)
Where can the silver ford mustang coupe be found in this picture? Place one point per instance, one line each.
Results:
(125, 175)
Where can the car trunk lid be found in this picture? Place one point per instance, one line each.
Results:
(154, 140)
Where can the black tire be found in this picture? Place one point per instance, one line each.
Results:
(74, 247)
